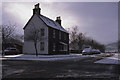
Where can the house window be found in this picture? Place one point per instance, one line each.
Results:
(65, 36)
(63, 47)
(42, 32)
(42, 46)
(59, 35)
(53, 33)
(54, 46)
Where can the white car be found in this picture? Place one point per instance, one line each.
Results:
(95, 51)
(86, 51)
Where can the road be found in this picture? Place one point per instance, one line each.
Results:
(75, 68)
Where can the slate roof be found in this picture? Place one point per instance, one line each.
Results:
(52, 23)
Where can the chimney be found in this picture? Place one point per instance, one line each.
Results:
(58, 19)
(36, 9)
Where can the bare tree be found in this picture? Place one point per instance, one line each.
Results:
(7, 32)
(73, 37)
(80, 41)
(34, 35)
(18, 38)
(94, 44)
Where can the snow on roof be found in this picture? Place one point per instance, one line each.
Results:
(52, 23)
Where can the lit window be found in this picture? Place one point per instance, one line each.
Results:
(42, 32)
(42, 46)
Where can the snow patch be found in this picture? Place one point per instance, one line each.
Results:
(110, 60)
(46, 57)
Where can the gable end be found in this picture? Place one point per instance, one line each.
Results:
(28, 22)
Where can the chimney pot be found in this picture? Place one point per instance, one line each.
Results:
(58, 19)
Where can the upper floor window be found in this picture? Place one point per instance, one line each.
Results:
(65, 36)
(59, 34)
(53, 33)
(42, 32)
(42, 46)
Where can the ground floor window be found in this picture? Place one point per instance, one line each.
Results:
(42, 46)
(63, 47)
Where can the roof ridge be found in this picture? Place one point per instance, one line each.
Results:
(52, 23)
(52, 20)
(47, 17)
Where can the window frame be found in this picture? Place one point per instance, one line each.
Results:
(42, 30)
(53, 33)
(60, 35)
(63, 47)
(42, 46)
(65, 36)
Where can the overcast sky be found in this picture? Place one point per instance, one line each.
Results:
(98, 20)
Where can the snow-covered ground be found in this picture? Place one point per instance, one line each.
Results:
(51, 57)
(45, 57)
(110, 60)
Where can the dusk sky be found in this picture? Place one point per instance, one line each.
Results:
(99, 20)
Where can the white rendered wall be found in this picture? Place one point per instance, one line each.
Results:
(29, 45)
